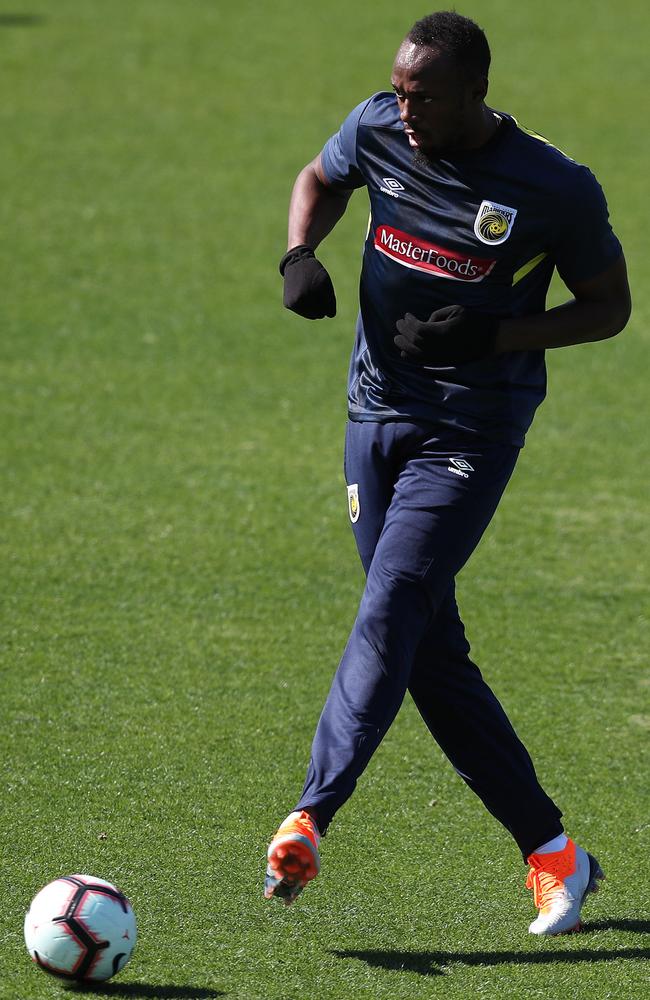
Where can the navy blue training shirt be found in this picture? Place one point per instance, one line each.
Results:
(483, 229)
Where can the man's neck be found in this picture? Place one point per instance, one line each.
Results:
(487, 123)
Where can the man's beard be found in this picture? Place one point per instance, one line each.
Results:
(423, 158)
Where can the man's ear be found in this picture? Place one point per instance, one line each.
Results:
(479, 88)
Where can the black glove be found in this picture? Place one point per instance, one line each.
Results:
(308, 288)
(451, 336)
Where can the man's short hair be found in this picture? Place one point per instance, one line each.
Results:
(457, 36)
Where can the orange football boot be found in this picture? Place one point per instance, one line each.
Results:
(293, 857)
(560, 882)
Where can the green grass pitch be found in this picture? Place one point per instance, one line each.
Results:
(178, 575)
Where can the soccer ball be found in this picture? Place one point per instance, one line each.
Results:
(80, 928)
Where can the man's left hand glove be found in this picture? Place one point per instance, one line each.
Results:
(451, 336)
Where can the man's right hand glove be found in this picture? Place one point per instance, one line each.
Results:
(452, 335)
(308, 288)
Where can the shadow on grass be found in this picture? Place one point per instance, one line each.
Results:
(145, 991)
(20, 20)
(634, 926)
(432, 963)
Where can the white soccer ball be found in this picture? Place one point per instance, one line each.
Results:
(80, 928)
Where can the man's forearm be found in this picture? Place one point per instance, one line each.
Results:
(314, 210)
(575, 322)
(601, 309)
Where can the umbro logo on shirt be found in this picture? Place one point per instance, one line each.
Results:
(391, 187)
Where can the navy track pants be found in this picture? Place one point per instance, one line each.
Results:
(420, 499)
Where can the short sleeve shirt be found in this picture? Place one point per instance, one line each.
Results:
(484, 229)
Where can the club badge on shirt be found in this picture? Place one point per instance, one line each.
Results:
(353, 502)
(493, 223)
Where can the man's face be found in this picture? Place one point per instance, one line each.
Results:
(437, 103)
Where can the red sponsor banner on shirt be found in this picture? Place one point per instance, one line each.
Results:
(423, 256)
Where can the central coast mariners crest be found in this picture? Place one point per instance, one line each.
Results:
(493, 223)
(353, 502)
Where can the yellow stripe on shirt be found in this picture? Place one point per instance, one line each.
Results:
(527, 268)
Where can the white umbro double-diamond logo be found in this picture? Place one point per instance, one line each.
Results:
(460, 466)
(391, 187)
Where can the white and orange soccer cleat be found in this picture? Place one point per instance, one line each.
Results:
(560, 882)
(293, 857)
